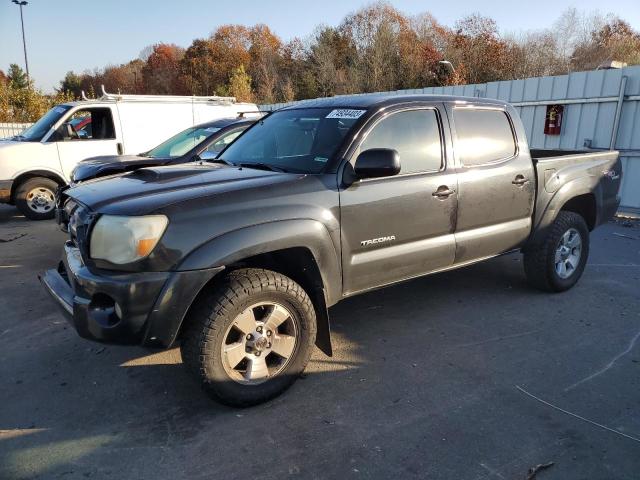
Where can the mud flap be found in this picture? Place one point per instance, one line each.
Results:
(323, 334)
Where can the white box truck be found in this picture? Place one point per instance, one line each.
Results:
(34, 163)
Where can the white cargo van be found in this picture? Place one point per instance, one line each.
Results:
(34, 163)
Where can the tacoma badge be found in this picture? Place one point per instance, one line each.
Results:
(366, 243)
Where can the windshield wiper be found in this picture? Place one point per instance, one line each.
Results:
(220, 160)
(262, 166)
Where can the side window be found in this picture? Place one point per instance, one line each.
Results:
(415, 134)
(220, 144)
(483, 136)
(92, 124)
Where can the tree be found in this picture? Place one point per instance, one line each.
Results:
(198, 68)
(374, 32)
(71, 83)
(374, 48)
(239, 85)
(17, 77)
(614, 40)
(161, 72)
(264, 62)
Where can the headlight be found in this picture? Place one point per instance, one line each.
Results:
(121, 240)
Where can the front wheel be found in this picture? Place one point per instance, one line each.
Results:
(35, 198)
(556, 263)
(249, 338)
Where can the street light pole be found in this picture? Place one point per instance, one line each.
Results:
(22, 3)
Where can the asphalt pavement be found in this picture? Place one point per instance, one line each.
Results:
(468, 374)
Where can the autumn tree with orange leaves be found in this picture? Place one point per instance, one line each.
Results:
(375, 48)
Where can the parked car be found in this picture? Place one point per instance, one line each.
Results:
(200, 143)
(238, 261)
(34, 163)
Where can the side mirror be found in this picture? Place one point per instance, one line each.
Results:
(377, 162)
(207, 155)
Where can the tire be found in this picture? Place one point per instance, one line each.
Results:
(219, 331)
(543, 261)
(35, 198)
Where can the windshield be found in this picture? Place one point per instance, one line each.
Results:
(38, 130)
(181, 143)
(301, 140)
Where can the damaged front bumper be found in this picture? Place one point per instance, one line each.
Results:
(126, 308)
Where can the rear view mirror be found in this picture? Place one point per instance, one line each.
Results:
(377, 162)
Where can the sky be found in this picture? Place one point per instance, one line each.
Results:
(78, 36)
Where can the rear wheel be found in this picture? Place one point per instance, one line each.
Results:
(250, 338)
(35, 198)
(556, 263)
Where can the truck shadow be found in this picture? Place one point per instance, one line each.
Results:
(85, 403)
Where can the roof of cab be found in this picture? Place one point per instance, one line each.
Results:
(379, 100)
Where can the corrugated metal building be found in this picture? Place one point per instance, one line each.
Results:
(601, 111)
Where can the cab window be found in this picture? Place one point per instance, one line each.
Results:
(414, 134)
(88, 124)
(483, 136)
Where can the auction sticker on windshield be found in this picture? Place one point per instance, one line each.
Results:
(345, 113)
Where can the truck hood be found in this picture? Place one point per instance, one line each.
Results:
(112, 164)
(149, 189)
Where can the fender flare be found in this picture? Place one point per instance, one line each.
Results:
(233, 247)
(572, 189)
(246, 242)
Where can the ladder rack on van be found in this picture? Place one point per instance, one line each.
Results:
(162, 98)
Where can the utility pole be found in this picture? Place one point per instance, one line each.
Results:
(22, 3)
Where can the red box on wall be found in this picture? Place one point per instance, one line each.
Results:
(553, 119)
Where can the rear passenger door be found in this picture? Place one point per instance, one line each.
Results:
(495, 183)
(402, 226)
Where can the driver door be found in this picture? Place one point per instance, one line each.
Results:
(92, 133)
(399, 227)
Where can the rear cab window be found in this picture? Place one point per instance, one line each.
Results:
(483, 136)
(414, 134)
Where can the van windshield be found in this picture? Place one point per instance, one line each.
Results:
(299, 140)
(38, 130)
(181, 143)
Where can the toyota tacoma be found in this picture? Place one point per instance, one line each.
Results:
(237, 260)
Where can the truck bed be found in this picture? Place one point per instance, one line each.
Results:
(556, 169)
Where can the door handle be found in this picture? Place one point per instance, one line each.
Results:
(443, 192)
(519, 180)
(119, 148)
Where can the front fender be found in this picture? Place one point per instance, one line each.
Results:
(237, 245)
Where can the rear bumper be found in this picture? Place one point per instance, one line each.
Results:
(5, 190)
(129, 308)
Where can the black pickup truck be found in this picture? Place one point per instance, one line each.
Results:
(239, 260)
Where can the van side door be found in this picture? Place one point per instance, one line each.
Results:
(496, 181)
(398, 227)
(86, 132)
